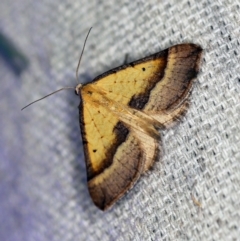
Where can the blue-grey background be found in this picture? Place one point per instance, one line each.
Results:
(192, 193)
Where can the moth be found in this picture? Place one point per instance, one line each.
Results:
(122, 111)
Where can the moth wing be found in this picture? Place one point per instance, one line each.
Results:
(157, 85)
(168, 100)
(114, 154)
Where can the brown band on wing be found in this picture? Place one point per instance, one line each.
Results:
(187, 65)
(170, 118)
(110, 185)
(182, 68)
(151, 147)
(140, 100)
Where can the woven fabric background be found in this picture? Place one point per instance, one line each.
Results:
(192, 193)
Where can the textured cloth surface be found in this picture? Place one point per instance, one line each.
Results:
(191, 193)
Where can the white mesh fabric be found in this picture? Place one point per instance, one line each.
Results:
(43, 191)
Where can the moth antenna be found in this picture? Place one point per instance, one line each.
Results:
(64, 88)
(79, 61)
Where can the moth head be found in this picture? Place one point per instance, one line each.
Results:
(77, 89)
